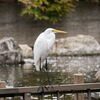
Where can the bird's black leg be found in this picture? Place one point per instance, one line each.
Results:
(42, 86)
(47, 71)
(40, 72)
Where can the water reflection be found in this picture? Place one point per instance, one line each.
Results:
(9, 74)
(17, 76)
(61, 71)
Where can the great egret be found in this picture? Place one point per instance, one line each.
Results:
(42, 46)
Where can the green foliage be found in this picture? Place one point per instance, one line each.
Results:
(52, 10)
(97, 1)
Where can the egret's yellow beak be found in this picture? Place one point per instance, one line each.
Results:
(59, 31)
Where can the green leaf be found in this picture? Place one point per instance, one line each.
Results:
(51, 10)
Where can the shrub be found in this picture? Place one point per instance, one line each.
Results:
(52, 10)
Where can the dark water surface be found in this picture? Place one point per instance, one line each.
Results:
(17, 76)
(61, 71)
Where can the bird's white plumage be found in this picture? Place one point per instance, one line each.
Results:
(42, 46)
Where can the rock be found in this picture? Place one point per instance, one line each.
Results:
(77, 45)
(28, 63)
(28, 66)
(10, 57)
(28, 60)
(10, 52)
(97, 75)
(26, 51)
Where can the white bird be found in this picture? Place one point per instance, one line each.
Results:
(42, 46)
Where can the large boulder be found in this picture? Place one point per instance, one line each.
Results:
(76, 54)
(76, 45)
(97, 75)
(10, 52)
(26, 51)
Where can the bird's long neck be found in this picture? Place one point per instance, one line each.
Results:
(50, 35)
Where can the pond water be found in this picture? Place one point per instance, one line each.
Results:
(18, 76)
(61, 71)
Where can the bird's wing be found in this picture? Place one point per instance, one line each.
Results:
(40, 50)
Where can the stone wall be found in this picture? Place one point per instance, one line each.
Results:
(84, 20)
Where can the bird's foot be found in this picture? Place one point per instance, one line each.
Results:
(42, 88)
(49, 84)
